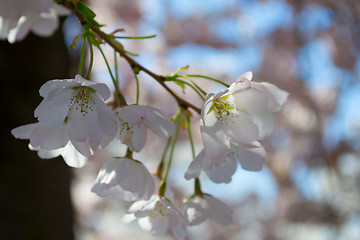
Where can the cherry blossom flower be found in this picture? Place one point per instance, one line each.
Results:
(72, 110)
(198, 208)
(158, 215)
(124, 178)
(233, 121)
(18, 17)
(135, 119)
(50, 142)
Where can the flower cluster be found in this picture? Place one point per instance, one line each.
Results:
(74, 121)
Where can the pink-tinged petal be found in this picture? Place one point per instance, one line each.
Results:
(276, 96)
(107, 119)
(53, 112)
(138, 138)
(24, 132)
(249, 100)
(49, 138)
(265, 122)
(251, 158)
(222, 173)
(83, 148)
(239, 127)
(195, 167)
(72, 157)
(160, 125)
(219, 211)
(113, 171)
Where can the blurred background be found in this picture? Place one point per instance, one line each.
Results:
(310, 186)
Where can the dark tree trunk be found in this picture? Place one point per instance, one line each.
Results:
(34, 193)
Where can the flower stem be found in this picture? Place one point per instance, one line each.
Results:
(190, 136)
(161, 164)
(91, 62)
(137, 88)
(194, 88)
(163, 183)
(197, 187)
(120, 97)
(82, 56)
(209, 78)
(116, 68)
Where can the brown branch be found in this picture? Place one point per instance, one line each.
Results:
(133, 64)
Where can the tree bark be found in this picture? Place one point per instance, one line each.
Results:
(34, 193)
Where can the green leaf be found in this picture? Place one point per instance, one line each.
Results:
(88, 14)
(181, 84)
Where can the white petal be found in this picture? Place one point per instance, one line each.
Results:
(237, 87)
(113, 171)
(143, 208)
(178, 227)
(84, 126)
(24, 132)
(44, 24)
(72, 157)
(138, 138)
(53, 112)
(138, 180)
(215, 141)
(83, 148)
(156, 224)
(251, 158)
(239, 127)
(60, 10)
(47, 154)
(49, 138)
(265, 122)
(222, 173)
(56, 85)
(159, 124)
(208, 116)
(219, 211)
(247, 75)
(195, 167)
(106, 117)
(276, 96)
(131, 114)
(250, 100)
(20, 31)
(195, 210)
